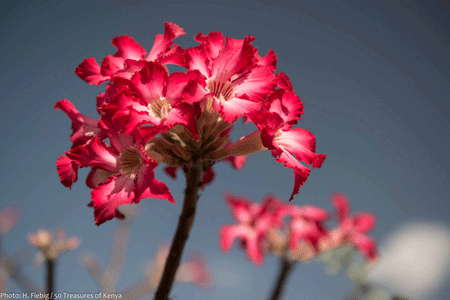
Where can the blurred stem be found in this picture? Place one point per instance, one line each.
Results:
(13, 269)
(182, 234)
(50, 264)
(119, 249)
(138, 290)
(285, 269)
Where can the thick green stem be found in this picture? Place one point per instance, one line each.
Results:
(285, 269)
(182, 234)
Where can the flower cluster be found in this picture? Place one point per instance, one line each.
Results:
(152, 117)
(262, 229)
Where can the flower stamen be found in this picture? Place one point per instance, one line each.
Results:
(222, 90)
(130, 162)
(160, 108)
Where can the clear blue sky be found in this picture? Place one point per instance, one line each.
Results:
(373, 76)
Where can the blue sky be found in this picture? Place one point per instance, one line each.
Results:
(374, 79)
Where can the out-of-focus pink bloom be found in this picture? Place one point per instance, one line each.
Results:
(9, 217)
(297, 233)
(254, 221)
(306, 223)
(194, 270)
(52, 245)
(353, 229)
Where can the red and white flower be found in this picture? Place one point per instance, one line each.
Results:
(130, 56)
(237, 82)
(122, 173)
(285, 142)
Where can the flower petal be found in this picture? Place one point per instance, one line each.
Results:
(163, 42)
(196, 59)
(367, 246)
(269, 61)
(67, 170)
(229, 233)
(287, 105)
(149, 83)
(97, 176)
(364, 222)
(171, 171)
(213, 42)
(111, 65)
(301, 172)
(89, 71)
(107, 197)
(186, 87)
(236, 56)
(284, 82)
(313, 213)
(95, 153)
(83, 128)
(208, 177)
(302, 143)
(128, 48)
(340, 202)
(237, 162)
(240, 207)
(256, 84)
(148, 186)
(235, 108)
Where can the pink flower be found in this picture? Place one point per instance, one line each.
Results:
(163, 100)
(195, 270)
(83, 129)
(353, 229)
(285, 142)
(254, 221)
(9, 217)
(128, 59)
(307, 224)
(238, 83)
(121, 174)
(264, 228)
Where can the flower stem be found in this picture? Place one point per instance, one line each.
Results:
(50, 264)
(286, 267)
(182, 234)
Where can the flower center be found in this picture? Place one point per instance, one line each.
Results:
(130, 162)
(160, 108)
(279, 141)
(221, 90)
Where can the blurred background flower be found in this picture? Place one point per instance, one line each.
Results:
(414, 260)
(51, 245)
